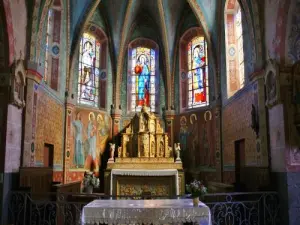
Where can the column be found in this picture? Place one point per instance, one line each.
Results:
(116, 123)
(169, 118)
(33, 79)
(218, 155)
(70, 107)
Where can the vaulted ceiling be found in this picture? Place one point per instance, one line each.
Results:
(161, 19)
(122, 15)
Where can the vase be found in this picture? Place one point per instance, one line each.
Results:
(89, 189)
(196, 201)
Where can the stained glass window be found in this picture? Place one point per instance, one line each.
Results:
(239, 41)
(88, 79)
(48, 44)
(234, 47)
(197, 73)
(143, 78)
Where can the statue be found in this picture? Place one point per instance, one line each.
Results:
(111, 152)
(119, 152)
(177, 151)
(161, 149)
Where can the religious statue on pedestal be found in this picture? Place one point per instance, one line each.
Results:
(111, 152)
(177, 151)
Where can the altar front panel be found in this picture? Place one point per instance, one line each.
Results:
(137, 185)
(119, 181)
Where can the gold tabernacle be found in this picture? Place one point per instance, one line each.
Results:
(145, 152)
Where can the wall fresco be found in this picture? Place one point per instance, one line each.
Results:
(90, 131)
(196, 134)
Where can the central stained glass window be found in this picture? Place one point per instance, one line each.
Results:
(143, 78)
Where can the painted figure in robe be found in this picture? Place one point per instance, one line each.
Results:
(78, 153)
(92, 139)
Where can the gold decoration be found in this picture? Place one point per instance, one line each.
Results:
(144, 146)
(144, 137)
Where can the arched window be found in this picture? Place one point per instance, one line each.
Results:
(234, 47)
(143, 76)
(197, 73)
(194, 85)
(52, 45)
(89, 70)
(48, 44)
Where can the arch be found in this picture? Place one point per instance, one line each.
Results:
(143, 68)
(193, 94)
(93, 36)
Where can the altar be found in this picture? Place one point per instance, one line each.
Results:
(163, 211)
(145, 162)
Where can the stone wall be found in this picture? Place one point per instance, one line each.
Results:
(236, 125)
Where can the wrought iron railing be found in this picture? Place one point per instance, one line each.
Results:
(25, 208)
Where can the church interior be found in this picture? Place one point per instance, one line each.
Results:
(148, 96)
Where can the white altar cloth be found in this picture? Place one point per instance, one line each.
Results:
(128, 172)
(163, 211)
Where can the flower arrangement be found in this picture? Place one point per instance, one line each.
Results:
(90, 179)
(196, 188)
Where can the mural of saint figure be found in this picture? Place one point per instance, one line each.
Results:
(78, 154)
(92, 140)
(143, 72)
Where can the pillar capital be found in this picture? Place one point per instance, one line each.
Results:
(115, 113)
(34, 72)
(170, 114)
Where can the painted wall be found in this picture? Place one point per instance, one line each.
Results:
(236, 125)
(49, 128)
(94, 135)
(197, 142)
